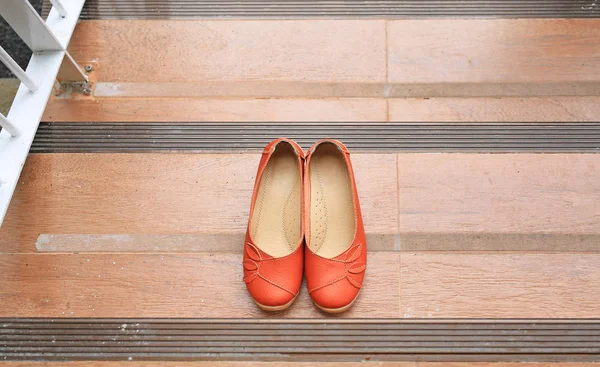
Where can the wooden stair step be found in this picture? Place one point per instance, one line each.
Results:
(503, 285)
(492, 51)
(408, 285)
(162, 194)
(77, 202)
(306, 364)
(196, 109)
(162, 285)
(397, 58)
(186, 51)
(123, 109)
(507, 109)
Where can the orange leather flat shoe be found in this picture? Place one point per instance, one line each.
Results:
(336, 250)
(274, 248)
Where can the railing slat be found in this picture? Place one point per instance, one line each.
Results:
(59, 7)
(28, 24)
(17, 71)
(5, 123)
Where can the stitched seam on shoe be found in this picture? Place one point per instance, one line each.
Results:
(352, 281)
(275, 284)
(326, 284)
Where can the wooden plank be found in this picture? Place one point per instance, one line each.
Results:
(267, 364)
(409, 110)
(500, 285)
(198, 50)
(162, 285)
(506, 364)
(464, 240)
(125, 194)
(546, 109)
(493, 50)
(301, 364)
(194, 110)
(447, 202)
(499, 193)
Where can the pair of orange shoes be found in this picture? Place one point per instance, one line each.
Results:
(302, 199)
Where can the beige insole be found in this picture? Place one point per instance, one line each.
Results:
(276, 220)
(332, 219)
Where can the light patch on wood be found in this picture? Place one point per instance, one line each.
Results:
(231, 242)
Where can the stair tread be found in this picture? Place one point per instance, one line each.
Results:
(508, 109)
(543, 202)
(440, 52)
(408, 285)
(249, 363)
(162, 285)
(492, 51)
(507, 285)
(497, 193)
(194, 109)
(187, 51)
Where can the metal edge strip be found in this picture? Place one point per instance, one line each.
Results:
(165, 9)
(121, 137)
(60, 339)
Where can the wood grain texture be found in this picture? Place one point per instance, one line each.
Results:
(499, 193)
(298, 364)
(506, 364)
(493, 50)
(194, 110)
(486, 241)
(500, 285)
(267, 364)
(161, 194)
(184, 51)
(491, 89)
(547, 109)
(163, 285)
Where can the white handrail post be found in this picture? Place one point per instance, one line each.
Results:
(59, 7)
(8, 126)
(48, 40)
(17, 71)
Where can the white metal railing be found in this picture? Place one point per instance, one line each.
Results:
(17, 71)
(50, 62)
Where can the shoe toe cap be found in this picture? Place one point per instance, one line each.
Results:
(335, 296)
(266, 294)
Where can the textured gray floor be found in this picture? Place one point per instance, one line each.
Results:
(13, 44)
